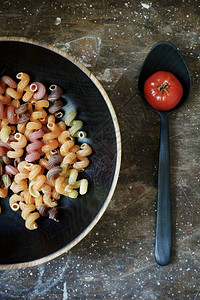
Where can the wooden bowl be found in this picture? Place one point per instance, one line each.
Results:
(21, 247)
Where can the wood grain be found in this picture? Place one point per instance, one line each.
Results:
(116, 260)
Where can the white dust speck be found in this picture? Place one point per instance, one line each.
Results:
(58, 21)
(146, 5)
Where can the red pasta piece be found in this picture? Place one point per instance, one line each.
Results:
(36, 145)
(36, 135)
(6, 80)
(39, 90)
(11, 116)
(32, 156)
(10, 170)
(8, 112)
(6, 145)
(2, 151)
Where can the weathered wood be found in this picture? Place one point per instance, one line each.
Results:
(116, 260)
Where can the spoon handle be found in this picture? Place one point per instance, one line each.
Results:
(164, 220)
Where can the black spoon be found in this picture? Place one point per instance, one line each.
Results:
(164, 57)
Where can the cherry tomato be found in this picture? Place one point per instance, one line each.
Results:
(163, 91)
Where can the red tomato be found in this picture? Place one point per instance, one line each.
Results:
(163, 91)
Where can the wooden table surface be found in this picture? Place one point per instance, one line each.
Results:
(116, 260)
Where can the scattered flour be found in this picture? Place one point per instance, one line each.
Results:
(146, 5)
(58, 21)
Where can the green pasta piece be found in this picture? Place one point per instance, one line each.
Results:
(6, 180)
(73, 176)
(70, 117)
(80, 134)
(73, 194)
(76, 125)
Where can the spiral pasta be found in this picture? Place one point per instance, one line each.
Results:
(6, 81)
(39, 157)
(30, 216)
(34, 146)
(8, 113)
(55, 99)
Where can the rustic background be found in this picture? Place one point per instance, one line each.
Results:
(116, 260)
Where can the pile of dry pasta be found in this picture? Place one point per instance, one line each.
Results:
(39, 158)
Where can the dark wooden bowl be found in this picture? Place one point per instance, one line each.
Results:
(20, 247)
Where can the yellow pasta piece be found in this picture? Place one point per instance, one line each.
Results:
(30, 216)
(27, 209)
(14, 94)
(83, 186)
(4, 192)
(85, 150)
(34, 125)
(62, 125)
(39, 181)
(21, 141)
(28, 94)
(24, 81)
(27, 197)
(24, 165)
(52, 145)
(18, 187)
(35, 171)
(30, 221)
(15, 154)
(5, 133)
(38, 115)
(64, 137)
(38, 202)
(44, 163)
(59, 185)
(21, 128)
(51, 119)
(55, 132)
(55, 195)
(22, 205)
(41, 104)
(69, 158)
(51, 182)
(15, 103)
(64, 149)
(47, 196)
(27, 133)
(21, 176)
(32, 191)
(13, 201)
(82, 164)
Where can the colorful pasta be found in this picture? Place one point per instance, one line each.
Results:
(39, 157)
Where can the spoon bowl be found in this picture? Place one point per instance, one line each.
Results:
(164, 57)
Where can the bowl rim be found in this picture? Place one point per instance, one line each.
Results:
(118, 155)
